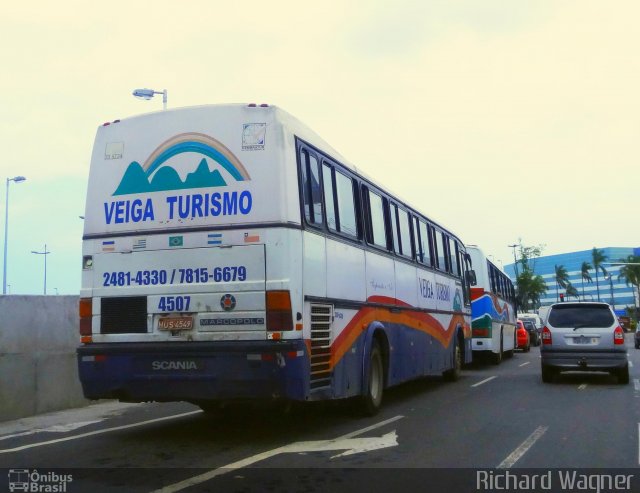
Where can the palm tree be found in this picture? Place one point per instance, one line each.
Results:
(631, 273)
(562, 278)
(598, 257)
(572, 291)
(584, 272)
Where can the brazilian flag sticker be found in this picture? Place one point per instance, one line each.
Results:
(175, 241)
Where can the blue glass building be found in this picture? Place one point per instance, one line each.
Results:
(613, 290)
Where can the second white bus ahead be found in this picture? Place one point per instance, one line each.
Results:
(493, 310)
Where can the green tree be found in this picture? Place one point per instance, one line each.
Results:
(528, 256)
(529, 286)
(584, 272)
(562, 279)
(598, 257)
(572, 291)
(630, 272)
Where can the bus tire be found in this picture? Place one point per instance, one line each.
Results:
(371, 402)
(453, 374)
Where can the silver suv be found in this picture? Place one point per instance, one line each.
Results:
(583, 337)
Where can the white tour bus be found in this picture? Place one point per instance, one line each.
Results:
(229, 253)
(493, 311)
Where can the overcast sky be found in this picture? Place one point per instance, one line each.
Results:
(503, 120)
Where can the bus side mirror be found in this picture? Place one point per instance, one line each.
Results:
(471, 277)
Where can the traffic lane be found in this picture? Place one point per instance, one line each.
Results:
(410, 451)
(463, 425)
(508, 383)
(475, 422)
(23, 437)
(593, 420)
(206, 436)
(425, 404)
(193, 439)
(107, 466)
(444, 414)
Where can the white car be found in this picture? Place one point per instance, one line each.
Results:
(583, 337)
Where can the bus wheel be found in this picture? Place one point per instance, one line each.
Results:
(454, 373)
(372, 400)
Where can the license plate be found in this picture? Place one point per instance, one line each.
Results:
(585, 340)
(175, 323)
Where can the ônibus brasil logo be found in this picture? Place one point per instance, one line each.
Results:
(189, 154)
(38, 482)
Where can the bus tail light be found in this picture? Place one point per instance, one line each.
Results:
(546, 336)
(279, 316)
(480, 332)
(85, 310)
(618, 335)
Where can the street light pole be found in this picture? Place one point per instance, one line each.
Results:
(149, 93)
(45, 253)
(515, 262)
(17, 179)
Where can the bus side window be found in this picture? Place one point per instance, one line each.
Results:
(376, 231)
(329, 199)
(312, 193)
(464, 268)
(425, 247)
(393, 216)
(442, 253)
(346, 205)
(492, 280)
(453, 256)
(416, 239)
(405, 233)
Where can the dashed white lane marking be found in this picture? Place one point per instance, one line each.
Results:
(525, 363)
(582, 386)
(97, 432)
(187, 483)
(630, 364)
(484, 381)
(636, 384)
(522, 449)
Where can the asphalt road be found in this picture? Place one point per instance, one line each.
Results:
(495, 418)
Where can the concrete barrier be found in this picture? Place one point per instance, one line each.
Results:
(38, 370)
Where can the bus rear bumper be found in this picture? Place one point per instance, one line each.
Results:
(194, 371)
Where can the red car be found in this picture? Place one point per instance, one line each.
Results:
(522, 337)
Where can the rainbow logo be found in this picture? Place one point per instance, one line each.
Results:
(155, 176)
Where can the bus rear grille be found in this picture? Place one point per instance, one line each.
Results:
(321, 318)
(123, 315)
